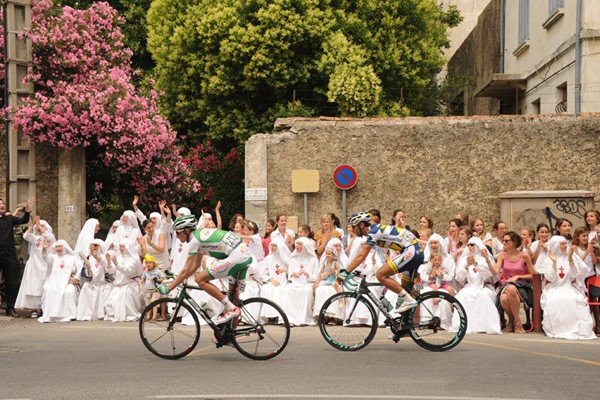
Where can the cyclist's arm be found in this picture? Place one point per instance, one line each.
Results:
(192, 264)
(360, 257)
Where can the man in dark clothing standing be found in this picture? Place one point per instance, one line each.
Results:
(8, 254)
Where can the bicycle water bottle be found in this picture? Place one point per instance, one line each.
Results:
(207, 309)
(386, 303)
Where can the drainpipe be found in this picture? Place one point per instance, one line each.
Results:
(578, 60)
(501, 66)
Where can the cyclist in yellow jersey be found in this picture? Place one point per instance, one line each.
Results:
(392, 237)
(233, 254)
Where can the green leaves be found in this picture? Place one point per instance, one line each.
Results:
(228, 67)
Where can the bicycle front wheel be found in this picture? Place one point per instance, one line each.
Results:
(262, 331)
(169, 339)
(348, 322)
(439, 322)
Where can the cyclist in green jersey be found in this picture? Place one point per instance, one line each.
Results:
(233, 254)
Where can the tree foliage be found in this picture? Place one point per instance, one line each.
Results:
(229, 67)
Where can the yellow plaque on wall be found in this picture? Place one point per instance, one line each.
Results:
(305, 181)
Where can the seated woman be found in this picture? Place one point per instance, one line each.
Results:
(125, 300)
(566, 312)
(277, 268)
(298, 296)
(59, 301)
(95, 288)
(515, 284)
(478, 301)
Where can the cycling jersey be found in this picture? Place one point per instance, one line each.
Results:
(214, 242)
(390, 236)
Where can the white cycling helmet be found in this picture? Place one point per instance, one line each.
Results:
(358, 217)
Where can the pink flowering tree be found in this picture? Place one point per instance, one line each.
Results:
(85, 96)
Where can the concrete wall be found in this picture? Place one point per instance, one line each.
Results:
(47, 184)
(433, 166)
(478, 58)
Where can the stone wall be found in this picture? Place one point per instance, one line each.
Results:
(432, 166)
(478, 58)
(46, 172)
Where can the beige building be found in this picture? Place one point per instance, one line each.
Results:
(539, 59)
(470, 11)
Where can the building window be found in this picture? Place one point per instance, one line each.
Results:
(523, 21)
(536, 107)
(561, 95)
(554, 5)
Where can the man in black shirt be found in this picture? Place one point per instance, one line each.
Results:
(8, 254)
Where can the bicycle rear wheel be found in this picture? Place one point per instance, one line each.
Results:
(263, 329)
(438, 323)
(169, 339)
(348, 322)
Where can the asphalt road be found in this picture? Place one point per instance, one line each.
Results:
(101, 360)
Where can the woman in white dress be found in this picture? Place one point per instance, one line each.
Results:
(302, 272)
(566, 312)
(89, 230)
(276, 264)
(125, 301)
(283, 232)
(31, 289)
(479, 302)
(95, 288)
(59, 301)
(500, 229)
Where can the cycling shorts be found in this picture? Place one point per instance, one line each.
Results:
(234, 266)
(411, 258)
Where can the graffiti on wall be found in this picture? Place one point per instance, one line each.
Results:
(572, 209)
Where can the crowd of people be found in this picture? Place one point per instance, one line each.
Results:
(490, 273)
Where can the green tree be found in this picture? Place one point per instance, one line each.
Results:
(229, 67)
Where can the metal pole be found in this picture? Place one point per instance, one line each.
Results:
(501, 66)
(344, 221)
(306, 208)
(578, 60)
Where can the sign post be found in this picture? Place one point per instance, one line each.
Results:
(305, 181)
(344, 177)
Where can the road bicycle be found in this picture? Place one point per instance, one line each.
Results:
(348, 320)
(261, 332)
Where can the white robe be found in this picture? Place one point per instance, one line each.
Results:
(59, 301)
(94, 292)
(566, 312)
(125, 301)
(31, 289)
(179, 254)
(478, 301)
(298, 296)
(275, 263)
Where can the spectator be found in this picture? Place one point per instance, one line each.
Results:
(497, 245)
(473, 270)
(8, 254)
(464, 234)
(585, 250)
(515, 284)
(539, 248)
(323, 235)
(283, 232)
(59, 301)
(337, 225)
(95, 288)
(31, 290)
(298, 297)
(266, 239)
(277, 269)
(478, 228)
(128, 230)
(154, 243)
(464, 218)
(566, 312)
(398, 218)
(527, 238)
(592, 220)
(451, 240)
(89, 230)
(563, 228)
(425, 222)
(326, 285)
(151, 278)
(235, 219)
(124, 301)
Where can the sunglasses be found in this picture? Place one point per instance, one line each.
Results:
(470, 244)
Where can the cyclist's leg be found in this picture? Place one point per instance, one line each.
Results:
(410, 258)
(203, 280)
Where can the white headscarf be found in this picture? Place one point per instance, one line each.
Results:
(99, 242)
(110, 237)
(158, 223)
(68, 251)
(47, 235)
(131, 229)
(203, 221)
(436, 238)
(46, 225)
(86, 236)
(184, 211)
(341, 256)
(279, 257)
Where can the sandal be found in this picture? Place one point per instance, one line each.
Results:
(160, 318)
(519, 329)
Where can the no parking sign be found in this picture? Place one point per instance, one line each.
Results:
(345, 177)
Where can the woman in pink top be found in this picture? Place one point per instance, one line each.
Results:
(515, 284)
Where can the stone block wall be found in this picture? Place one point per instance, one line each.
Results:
(432, 166)
(46, 172)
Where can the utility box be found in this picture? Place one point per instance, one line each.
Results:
(530, 208)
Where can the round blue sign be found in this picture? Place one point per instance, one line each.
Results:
(345, 177)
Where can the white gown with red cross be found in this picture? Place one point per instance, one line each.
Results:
(30, 292)
(94, 292)
(566, 312)
(59, 301)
